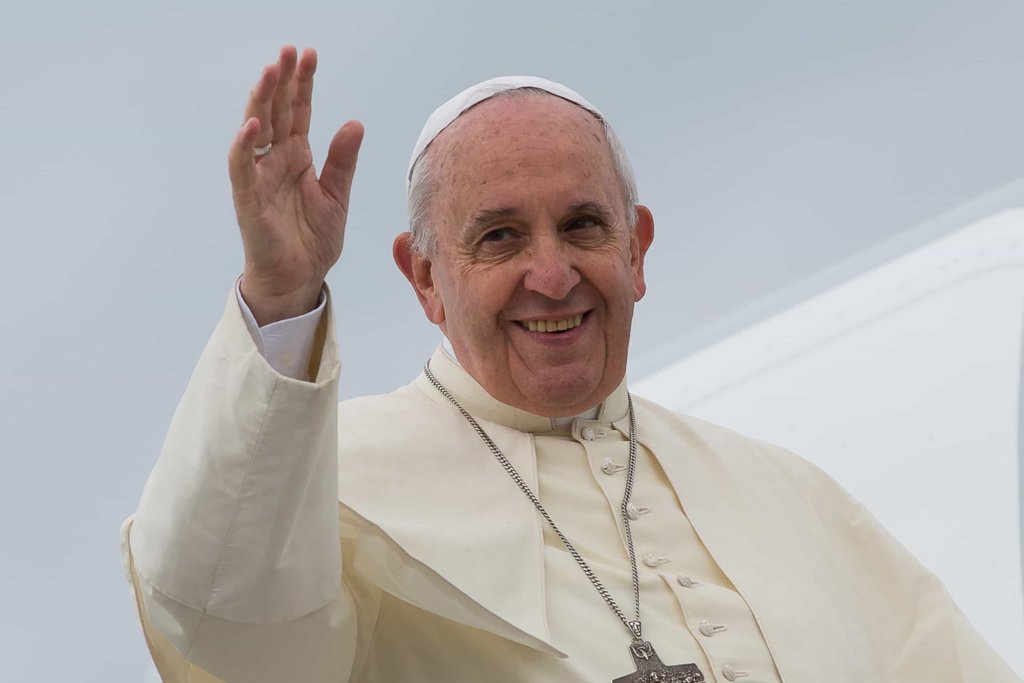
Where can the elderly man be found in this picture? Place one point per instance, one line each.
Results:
(513, 514)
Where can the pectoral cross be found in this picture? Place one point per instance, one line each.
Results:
(650, 669)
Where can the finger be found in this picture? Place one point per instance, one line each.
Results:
(281, 106)
(302, 106)
(340, 165)
(259, 103)
(242, 162)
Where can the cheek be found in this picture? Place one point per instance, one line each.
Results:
(617, 285)
(470, 310)
(475, 298)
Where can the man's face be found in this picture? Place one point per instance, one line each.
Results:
(536, 269)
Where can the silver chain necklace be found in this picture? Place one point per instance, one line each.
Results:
(650, 668)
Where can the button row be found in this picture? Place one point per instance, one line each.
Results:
(633, 511)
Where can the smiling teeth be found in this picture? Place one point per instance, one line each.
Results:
(553, 325)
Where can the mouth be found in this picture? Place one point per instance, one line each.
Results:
(552, 326)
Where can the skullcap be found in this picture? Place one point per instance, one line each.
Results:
(444, 115)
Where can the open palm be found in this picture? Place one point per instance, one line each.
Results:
(292, 222)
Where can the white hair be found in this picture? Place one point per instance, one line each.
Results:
(423, 179)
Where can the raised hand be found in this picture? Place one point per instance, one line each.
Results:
(292, 223)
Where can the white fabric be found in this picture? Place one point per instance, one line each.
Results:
(446, 346)
(449, 572)
(287, 344)
(444, 115)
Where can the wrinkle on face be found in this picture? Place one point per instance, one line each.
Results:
(530, 221)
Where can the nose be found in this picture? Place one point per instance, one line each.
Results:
(550, 270)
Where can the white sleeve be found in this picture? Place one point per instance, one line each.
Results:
(287, 345)
(234, 549)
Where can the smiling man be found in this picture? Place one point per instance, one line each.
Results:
(538, 248)
(513, 514)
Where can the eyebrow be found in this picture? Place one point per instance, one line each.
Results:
(490, 215)
(600, 210)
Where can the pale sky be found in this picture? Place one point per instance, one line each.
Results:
(770, 142)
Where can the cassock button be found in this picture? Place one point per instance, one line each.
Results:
(652, 560)
(732, 674)
(634, 511)
(709, 629)
(686, 581)
(610, 467)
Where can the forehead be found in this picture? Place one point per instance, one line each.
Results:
(520, 143)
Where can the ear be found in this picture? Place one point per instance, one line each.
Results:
(418, 270)
(640, 238)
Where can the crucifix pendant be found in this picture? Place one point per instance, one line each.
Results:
(650, 669)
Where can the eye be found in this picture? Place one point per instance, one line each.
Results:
(583, 222)
(497, 235)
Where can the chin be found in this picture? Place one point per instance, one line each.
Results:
(561, 392)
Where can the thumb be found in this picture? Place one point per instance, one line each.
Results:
(340, 165)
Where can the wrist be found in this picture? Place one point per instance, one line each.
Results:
(269, 306)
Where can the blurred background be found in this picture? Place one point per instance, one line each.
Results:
(788, 152)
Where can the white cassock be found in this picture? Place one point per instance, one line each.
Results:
(753, 564)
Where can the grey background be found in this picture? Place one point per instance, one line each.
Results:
(770, 142)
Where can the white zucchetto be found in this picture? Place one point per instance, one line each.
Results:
(444, 115)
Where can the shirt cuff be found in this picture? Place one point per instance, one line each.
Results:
(287, 345)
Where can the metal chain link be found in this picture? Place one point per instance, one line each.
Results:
(633, 626)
